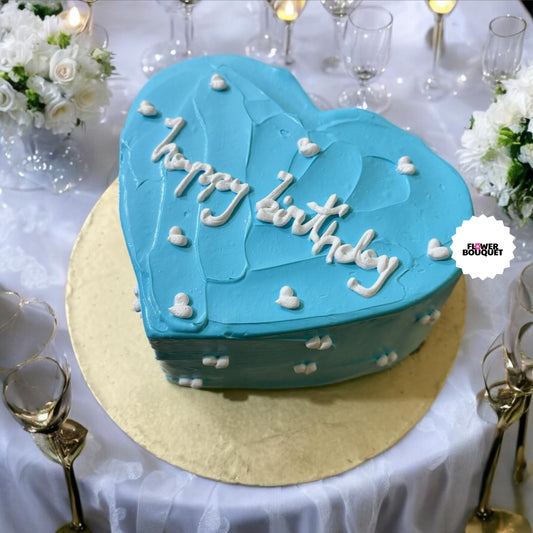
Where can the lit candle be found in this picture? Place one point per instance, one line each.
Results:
(289, 10)
(74, 20)
(442, 7)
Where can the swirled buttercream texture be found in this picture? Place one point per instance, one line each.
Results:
(352, 244)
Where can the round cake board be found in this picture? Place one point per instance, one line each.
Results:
(251, 437)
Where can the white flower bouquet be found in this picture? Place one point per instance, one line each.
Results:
(50, 76)
(497, 149)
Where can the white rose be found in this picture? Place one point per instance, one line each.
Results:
(7, 96)
(63, 67)
(526, 154)
(90, 97)
(59, 116)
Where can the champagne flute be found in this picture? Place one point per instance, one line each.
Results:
(264, 46)
(164, 54)
(366, 54)
(434, 86)
(340, 10)
(287, 11)
(509, 403)
(37, 394)
(503, 50)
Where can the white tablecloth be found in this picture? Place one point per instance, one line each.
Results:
(428, 482)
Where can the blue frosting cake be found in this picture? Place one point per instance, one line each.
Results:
(276, 245)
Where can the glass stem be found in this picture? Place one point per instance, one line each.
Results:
(264, 22)
(173, 24)
(340, 32)
(437, 44)
(287, 45)
(520, 459)
(187, 15)
(483, 511)
(78, 523)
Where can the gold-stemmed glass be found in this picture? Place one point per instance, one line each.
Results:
(37, 393)
(340, 10)
(520, 344)
(164, 54)
(434, 86)
(287, 11)
(509, 403)
(27, 327)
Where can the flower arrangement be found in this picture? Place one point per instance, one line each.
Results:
(497, 149)
(50, 76)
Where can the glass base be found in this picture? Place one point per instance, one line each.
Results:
(433, 88)
(498, 521)
(374, 97)
(264, 48)
(40, 159)
(333, 65)
(163, 55)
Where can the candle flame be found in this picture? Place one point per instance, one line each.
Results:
(442, 7)
(74, 17)
(289, 10)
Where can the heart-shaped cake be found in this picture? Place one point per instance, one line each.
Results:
(297, 246)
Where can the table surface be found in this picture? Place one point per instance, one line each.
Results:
(429, 481)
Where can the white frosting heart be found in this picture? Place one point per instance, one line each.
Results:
(387, 359)
(147, 109)
(325, 343)
(287, 299)
(181, 309)
(308, 148)
(176, 237)
(305, 368)
(405, 166)
(430, 319)
(218, 83)
(313, 343)
(436, 251)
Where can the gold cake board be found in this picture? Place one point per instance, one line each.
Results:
(263, 438)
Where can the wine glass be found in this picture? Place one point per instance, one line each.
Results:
(503, 50)
(509, 403)
(434, 86)
(27, 327)
(340, 10)
(520, 344)
(366, 54)
(264, 46)
(164, 54)
(37, 394)
(287, 11)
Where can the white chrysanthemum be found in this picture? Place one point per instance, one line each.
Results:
(47, 91)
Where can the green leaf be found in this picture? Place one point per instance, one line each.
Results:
(34, 101)
(516, 174)
(63, 40)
